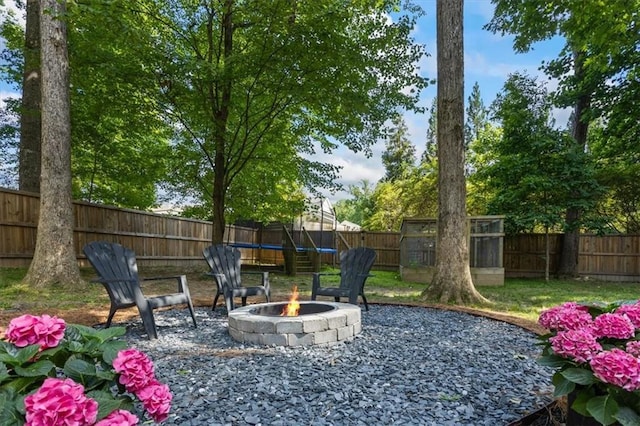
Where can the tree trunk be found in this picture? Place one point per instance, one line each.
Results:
(30, 135)
(571, 239)
(452, 280)
(221, 119)
(54, 260)
(547, 254)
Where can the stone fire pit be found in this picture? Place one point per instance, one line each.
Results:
(317, 323)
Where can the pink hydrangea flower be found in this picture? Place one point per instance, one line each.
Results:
(119, 418)
(633, 347)
(156, 399)
(618, 368)
(135, 369)
(45, 331)
(568, 316)
(60, 402)
(614, 325)
(579, 345)
(632, 312)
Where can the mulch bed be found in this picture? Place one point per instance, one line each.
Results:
(553, 414)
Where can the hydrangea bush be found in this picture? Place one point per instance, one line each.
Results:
(595, 350)
(53, 373)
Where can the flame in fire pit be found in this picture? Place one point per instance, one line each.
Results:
(292, 309)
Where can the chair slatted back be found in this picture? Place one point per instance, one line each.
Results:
(113, 262)
(225, 260)
(355, 265)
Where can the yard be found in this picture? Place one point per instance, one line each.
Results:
(519, 301)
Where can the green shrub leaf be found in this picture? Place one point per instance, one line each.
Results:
(4, 372)
(79, 370)
(579, 376)
(627, 417)
(106, 402)
(603, 408)
(111, 348)
(553, 361)
(40, 368)
(562, 385)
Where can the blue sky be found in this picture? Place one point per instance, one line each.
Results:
(489, 59)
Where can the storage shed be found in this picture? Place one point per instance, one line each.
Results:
(485, 236)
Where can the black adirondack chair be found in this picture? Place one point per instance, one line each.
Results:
(355, 265)
(225, 265)
(118, 273)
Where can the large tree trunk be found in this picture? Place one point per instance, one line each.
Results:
(54, 260)
(571, 239)
(221, 119)
(30, 136)
(452, 281)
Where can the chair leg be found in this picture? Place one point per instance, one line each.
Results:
(229, 301)
(364, 299)
(112, 312)
(215, 300)
(244, 301)
(337, 299)
(149, 322)
(193, 315)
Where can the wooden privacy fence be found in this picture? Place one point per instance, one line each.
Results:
(161, 240)
(158, 240)
(605, 257)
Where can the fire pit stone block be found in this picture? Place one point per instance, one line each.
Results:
(335, 322)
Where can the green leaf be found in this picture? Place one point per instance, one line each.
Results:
(110, 333)
(4, 372)
(627, 417)
(562, 385)
(40, 368)
(579, 376)
(9, 414)
(79, 370)
(106, 402)
(603, 409)
(19, 384)
(582, 397)
(553, 361)
(18, 356)
(106, 375)
(110, 350)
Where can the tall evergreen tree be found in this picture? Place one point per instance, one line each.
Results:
(476, 116)
(431, 148)
(400, 155)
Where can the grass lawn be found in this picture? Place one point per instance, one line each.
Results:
(522, 298)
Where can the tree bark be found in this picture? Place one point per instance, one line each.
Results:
(54, 260)
(221, 119)
(452, 280)
(571, 238)
(30, 134)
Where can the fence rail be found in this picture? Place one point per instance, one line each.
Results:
(161, 240)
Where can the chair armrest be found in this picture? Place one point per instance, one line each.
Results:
(326, 273)
(181, 279)
(112, 280)
(173, 277)
(265, 278)
(315, 284)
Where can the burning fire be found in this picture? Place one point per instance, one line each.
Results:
(292, 309)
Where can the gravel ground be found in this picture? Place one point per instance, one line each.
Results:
(409, 366)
